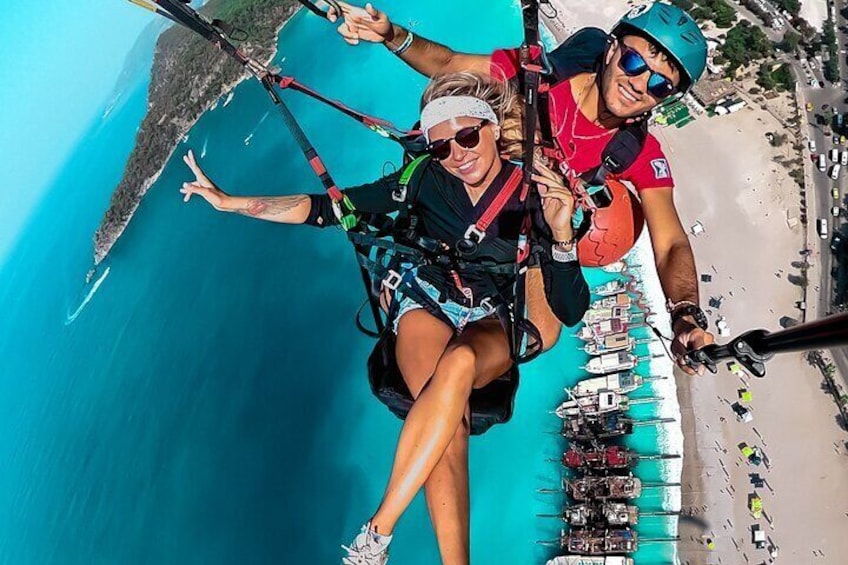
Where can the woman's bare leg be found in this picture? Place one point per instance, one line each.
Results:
(446, 489)
(471, 360)
(539, 311)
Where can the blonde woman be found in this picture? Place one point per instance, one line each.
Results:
(448, 339)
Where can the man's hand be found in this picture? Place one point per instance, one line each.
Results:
(688, 337)
(366, 24)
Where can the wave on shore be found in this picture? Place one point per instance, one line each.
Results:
(670, 437)
(72, 317)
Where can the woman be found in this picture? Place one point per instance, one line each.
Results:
(448, 340)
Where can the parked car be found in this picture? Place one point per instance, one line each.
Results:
(835, 193)
(835, 242)
(834, 211)
(834, 155)
(821, 224)
(843, 158)
(822, 162)
(812, 145)
(758, 537)
(809, 106)
(834, 172)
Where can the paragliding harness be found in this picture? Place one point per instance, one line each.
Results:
(390, 265)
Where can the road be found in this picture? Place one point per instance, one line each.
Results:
(820, 199)
(819, 196)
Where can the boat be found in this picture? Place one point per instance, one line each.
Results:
(599, 427)
(612, 363)
(229, 98)
(609, 288)
(617, 267)
(613, 487)
(599, 541)
(604, 514)
(620, 299)
(600, 403)
(599, 315)
(623, 382)
(611, 343)
(598, 330)
(588, 560)
(598, 459)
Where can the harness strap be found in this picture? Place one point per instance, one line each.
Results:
(479, 229)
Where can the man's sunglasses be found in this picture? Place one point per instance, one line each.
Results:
(633, 65)
(467, 138)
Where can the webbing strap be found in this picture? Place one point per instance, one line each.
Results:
(506, 192)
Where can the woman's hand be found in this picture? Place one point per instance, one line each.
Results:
(557, 202)
(366, 24)
(203, 186)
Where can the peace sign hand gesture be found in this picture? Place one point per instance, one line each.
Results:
(557, 201)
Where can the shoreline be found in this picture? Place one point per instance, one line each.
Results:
(147, 184)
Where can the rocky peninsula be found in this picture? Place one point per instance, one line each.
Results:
(189, 74)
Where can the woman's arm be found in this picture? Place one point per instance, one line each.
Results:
(317, 210)
(283, 209)
(565, 287)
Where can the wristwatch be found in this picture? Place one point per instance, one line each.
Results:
(686, 308)
(561, 253)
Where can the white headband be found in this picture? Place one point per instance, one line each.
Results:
(450, 107)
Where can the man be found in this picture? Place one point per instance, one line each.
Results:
(652, 53)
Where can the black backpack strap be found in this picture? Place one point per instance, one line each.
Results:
(619, 153)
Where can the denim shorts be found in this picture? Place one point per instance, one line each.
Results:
(459, 315)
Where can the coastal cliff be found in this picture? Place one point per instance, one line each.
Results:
(189, 74)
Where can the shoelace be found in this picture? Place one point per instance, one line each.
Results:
(362, 555)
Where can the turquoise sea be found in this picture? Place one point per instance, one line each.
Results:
(208, 403)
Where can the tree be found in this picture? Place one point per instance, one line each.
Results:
(828, 33)
(790, 42)
(831, 70)
(764, 78)
(724, 15)
(784, 78)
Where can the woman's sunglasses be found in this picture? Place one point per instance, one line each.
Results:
(633, 65)
(467, 138)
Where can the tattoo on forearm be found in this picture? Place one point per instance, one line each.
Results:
(271, 206)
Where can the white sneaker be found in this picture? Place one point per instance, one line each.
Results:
(367, 549)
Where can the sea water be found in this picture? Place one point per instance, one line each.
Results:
(207, 402)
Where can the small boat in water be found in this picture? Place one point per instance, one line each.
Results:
(613, 487)
(599, 315)
(620, 299)
(612, 363)
(603, 514)
(599, 541)
(623, 383)
(587, 560)
(610, 344)
(596, 427)
(598, 330)
(600, 403)
(609, 288)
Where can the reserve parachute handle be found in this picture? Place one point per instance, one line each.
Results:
(752, 349)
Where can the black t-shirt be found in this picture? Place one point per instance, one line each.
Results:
(445, 211)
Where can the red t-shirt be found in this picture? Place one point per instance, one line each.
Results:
(581, 141)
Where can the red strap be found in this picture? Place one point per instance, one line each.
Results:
(508, 189)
